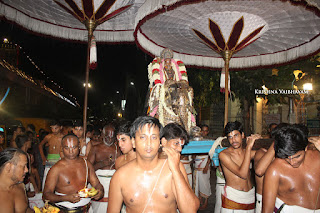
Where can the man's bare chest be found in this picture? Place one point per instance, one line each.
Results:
(72, 177)
(106, 153)
(146, 188)
(298, 181)
(55, 141)
(237, 159)
(13, 201)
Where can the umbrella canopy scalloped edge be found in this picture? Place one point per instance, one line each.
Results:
(58, 31)
(152, 8)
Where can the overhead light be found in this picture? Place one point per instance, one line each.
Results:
(89, 85)
(307, 86)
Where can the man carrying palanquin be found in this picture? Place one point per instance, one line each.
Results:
(70, 175)
(239, 193)
(148, 183)
(171, 97)
(262, 159)
(292, 181)
(175, 136)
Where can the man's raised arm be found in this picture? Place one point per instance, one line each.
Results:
(241, 171)
(262, 160)
(186, 199)
(315, 141)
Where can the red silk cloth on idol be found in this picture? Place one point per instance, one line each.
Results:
(229, 204)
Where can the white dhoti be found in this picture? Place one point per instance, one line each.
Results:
(69, 205)
(187, 166)
(36, 201)
(201, 181)
(291, 208)
(221, 182)
(104, 177)
(258, 203)
(52, 159)
(237, 201)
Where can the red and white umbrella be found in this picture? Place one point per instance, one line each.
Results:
(64, 18)
(230, 33)
(110, 20)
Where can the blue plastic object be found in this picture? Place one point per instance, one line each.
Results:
(215, 157)
(195, 147)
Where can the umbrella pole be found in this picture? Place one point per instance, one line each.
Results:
(85, 105)
(91, 26)
(226, 56)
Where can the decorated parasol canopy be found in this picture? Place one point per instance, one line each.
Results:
(230, 33)
(65, 18)
(110, 20)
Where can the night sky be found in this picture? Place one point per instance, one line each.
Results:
(64, 62)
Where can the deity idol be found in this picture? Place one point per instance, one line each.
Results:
(171, 97)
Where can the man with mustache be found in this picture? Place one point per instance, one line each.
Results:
(103, 157)
(13, 169)
(238, 194)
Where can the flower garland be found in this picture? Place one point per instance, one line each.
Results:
(157, 89)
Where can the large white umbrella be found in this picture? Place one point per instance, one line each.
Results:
(230, 33)
(111, 20)
(53, 17)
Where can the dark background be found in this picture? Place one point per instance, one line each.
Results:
(64, 62)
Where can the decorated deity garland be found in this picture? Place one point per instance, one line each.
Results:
(157, 89)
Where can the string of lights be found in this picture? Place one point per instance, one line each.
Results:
(21, 50)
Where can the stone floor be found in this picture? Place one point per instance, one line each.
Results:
(212, 198)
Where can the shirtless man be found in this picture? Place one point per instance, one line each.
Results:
(239, 193)
(292, 179)
(68, 176)
(154, 185)
(53, 141)
(262, 159)
(175, 136)
(103, 157)
(19, 130)
(77, 129)
(13, 169)
(125, 144)
(95, 140)
(24, 143)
